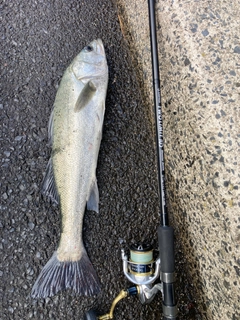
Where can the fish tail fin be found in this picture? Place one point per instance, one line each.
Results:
(60, 275)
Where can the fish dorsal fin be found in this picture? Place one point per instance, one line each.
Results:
(93, 200)
(85, 96)
(49, 186)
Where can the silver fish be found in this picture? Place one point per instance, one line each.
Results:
(75, 132)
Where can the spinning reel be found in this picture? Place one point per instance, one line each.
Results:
(143, 271)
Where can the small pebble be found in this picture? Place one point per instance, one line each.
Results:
(7, 153)
(18, 138)
(10, 309)
(5, 196)
(205, 32)
(236, 49)
(232, 73)
(31, 225)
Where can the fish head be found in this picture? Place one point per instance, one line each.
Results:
(90, 62)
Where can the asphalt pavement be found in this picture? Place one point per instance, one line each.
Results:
(38, 41)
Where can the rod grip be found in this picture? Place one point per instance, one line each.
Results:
(166, 248)
(167, 275)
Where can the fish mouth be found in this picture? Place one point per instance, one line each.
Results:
(100, 47)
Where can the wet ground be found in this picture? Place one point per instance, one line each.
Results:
(38, 40)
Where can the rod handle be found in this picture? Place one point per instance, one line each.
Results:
(167, 273)
(166, 248)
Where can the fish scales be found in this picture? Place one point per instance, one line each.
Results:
(75, 131)
(74, 183)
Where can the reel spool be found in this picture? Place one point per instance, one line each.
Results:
(141, 260)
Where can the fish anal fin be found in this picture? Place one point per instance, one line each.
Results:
(49, 188)
(93, 200)
(85, 96)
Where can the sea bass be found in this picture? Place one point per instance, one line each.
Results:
(75, 132)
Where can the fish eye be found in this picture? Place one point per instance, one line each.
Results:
(88, 48)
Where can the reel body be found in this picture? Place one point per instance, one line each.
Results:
(142, 270)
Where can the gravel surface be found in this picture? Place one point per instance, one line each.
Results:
(38, 40)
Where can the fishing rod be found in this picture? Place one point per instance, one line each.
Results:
(165, 232)
(141, 269)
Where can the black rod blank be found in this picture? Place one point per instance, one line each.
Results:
(158, 113)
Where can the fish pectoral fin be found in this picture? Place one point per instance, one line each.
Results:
(93, 200)
(49, 186)
(85, 96)
(50, 128)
